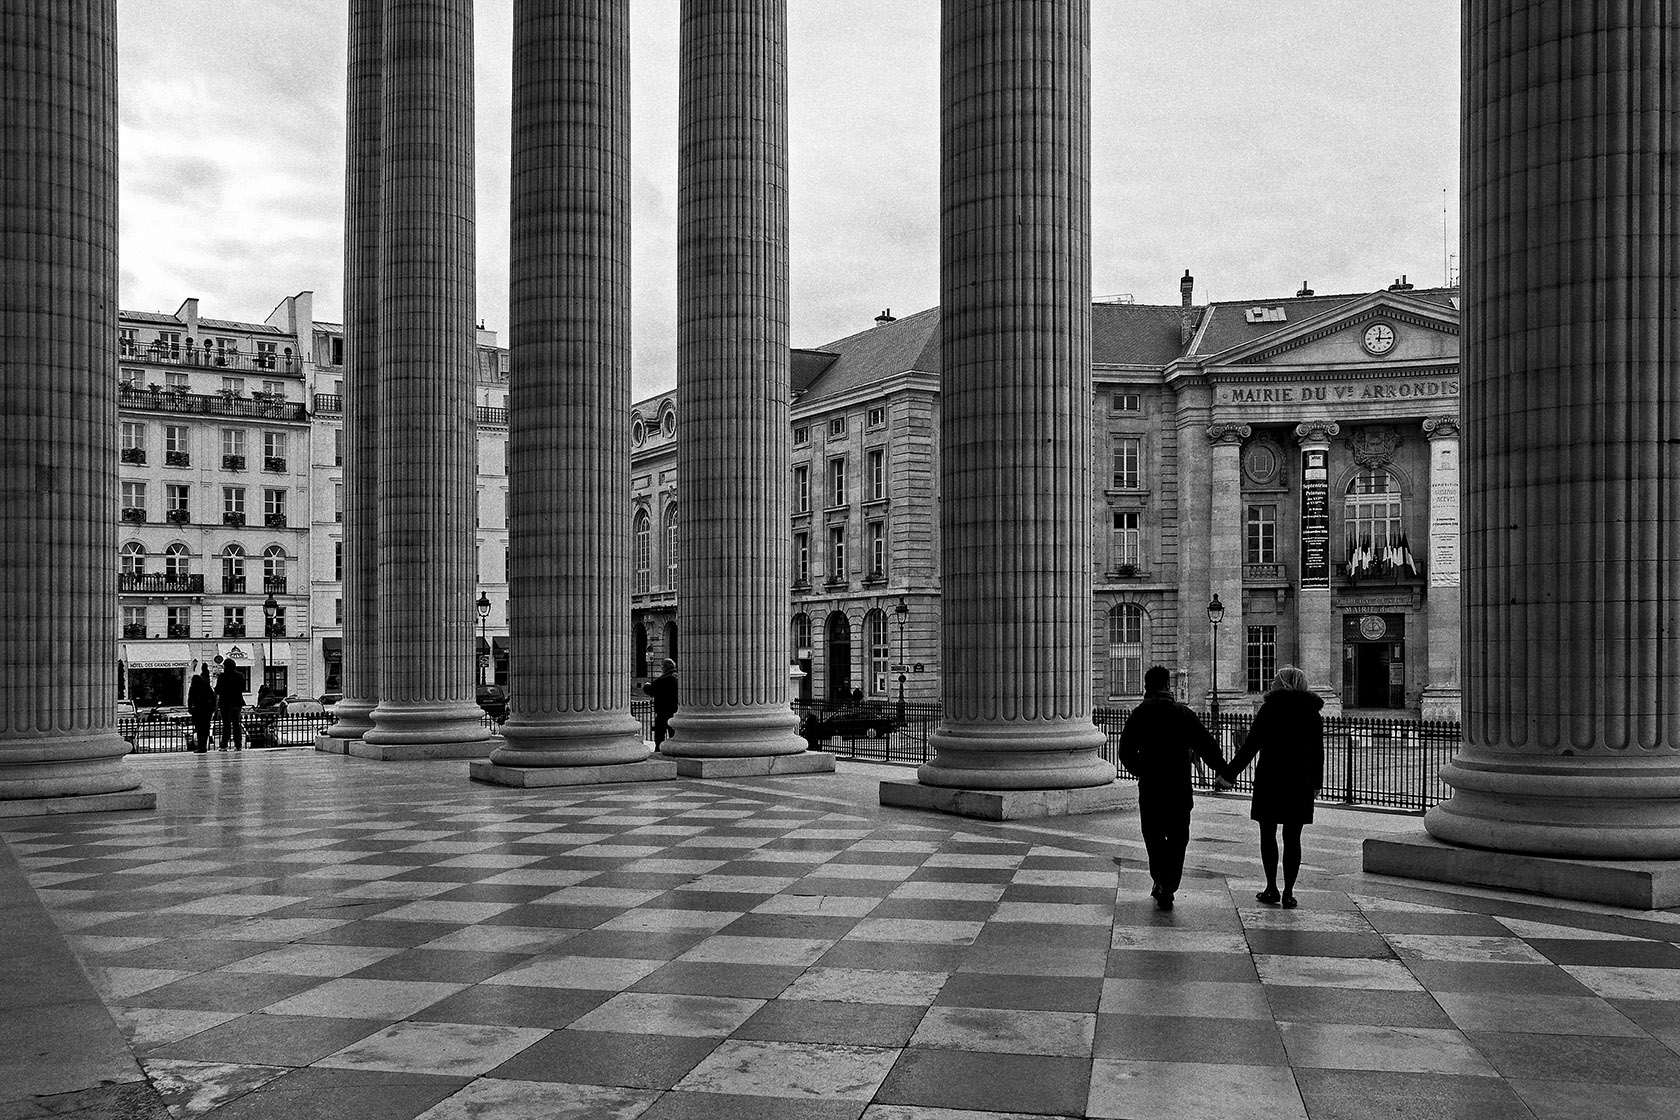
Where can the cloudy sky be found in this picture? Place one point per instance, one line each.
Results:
(1256, 144)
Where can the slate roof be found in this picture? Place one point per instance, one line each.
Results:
(910, 343)
(1227, 323)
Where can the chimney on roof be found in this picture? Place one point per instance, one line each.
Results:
(1185, 287)
(885, 317)
(1400, 285)
(1304, 292)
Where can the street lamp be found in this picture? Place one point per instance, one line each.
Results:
(483, 606)
(902, 611)
(1216, 611)
(271, 611)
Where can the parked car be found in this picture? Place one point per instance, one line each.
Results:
(493, 699)
(857, 722)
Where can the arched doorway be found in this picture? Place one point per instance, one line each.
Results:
(671, 643)
(839, 634)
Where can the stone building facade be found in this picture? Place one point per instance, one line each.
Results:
(1296, 457)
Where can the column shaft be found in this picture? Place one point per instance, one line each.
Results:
(1015, 473)
(1225, 554)
(58, 332)
(363, 130)
(569, 445)
(427, 422)
(732, 380)
(1572, 506)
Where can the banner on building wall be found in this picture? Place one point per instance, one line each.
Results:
(1443, 514)
(1315, 519)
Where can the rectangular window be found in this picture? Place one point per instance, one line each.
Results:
(1262, 657)
(126, 342)
(233, 441)
(130, 378)
(836, 553)
(134, 622)
(233, 386)
(338, 501)
(175, 497)
(176, 439)
(338, 612)
(877, 418)
(274, 451)
(837, 427)
(1125, 650)
(878, 549)
(338, 561)
(338, 350)
(338, 447)
(175, 380)
(801, 435)
(278, 627)
(180, 622)
(233, 622)
(836, 482)
(233, 500)
(134, 495)
(1127, 402)
(1262, 535)
(274, 502)
(1126, 452)
(274, 388)
(802, 559)
(1127, 541)
(877, 474)
(802, 489)
(266, 354)
(169, 344)
(133, 439)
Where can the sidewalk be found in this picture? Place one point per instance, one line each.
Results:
(296, 934)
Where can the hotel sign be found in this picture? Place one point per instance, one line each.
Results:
(1339, 392)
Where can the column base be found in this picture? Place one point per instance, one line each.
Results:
(757, 766)
(354, 719)
(739, 732)
(418, 752)
(1017, 755)
(127, 800)
(584, 739)
(1638, 884)
(326, 744)
(533, 777)
(1011, 804)
(405, 730)
(1441, 705)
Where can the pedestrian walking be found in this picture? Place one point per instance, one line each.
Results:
(663, 689)
(201, 706)
(1159, 739)
(230, 701)
(1288, 736)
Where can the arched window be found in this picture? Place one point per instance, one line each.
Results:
(1125, 650)
(801, 632)
(176, 562)
(1372, 515)
(133, 559)
(643, 542)
(274, 565)
(880, 653)
(233, 569)
(839, 654)
(671, 642)
(671, 546)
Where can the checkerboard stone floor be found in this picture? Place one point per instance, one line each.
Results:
(302, 935)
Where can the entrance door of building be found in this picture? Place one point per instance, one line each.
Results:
(839, 657)
(1374, 661)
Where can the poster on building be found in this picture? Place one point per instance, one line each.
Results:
(1315, 519)
(1443, 514)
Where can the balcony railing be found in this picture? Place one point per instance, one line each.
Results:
(329, 402)
(180, 629)
(274, 463)
(163, 399)
(274, 520)
(233, 629)
(233, 585)
(134, 629)
(274, 585)
(233, 517)
(497, 417)
(233, 462)
(177, 516)
(134, 454)
(136, 514)
(1382, 573)
(1264, 572)
(177, 459)
(275, 629)
(213, 359)
(160, 583)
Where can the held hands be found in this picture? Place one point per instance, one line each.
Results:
(1221, 783)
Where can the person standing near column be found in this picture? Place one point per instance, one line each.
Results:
(663, 689)
(201, 706)
(230, 700)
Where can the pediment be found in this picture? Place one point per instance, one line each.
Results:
(1422, 331)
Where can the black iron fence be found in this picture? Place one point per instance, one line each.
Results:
(1368, 761)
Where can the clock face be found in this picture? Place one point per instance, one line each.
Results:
(1379, 338)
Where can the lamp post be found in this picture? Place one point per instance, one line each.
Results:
(902, 612)
(271, 611)
(1216, 611)
(483, 607)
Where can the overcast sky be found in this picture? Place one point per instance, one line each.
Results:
(1256, 144)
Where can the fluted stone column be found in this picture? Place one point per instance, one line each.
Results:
(569, 444)
(1441, 689)
(1195, 565)
(732, 380)
(1225, 554)
(1572, 504)
(427, 418)
(1015, 473)
(59, 747)
(362, 172)
(1317, 633)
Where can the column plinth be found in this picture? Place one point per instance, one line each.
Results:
(59, 746)
(1015, 454)
(427, 413)
(1571, 669)
(732, 382)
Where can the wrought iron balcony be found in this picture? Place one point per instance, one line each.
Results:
(274, 585)
(134, 454)
(177, 459)
(275, 629)
(209, 358)
(181, 516)
(233, 517)
(329, 402)
(180, 629)
(495, 417)
(233, 629)
(136, 514)
(159, 398)
(274, 520)
(159, 583)
(134, 630)
(233, 462)
(274, 463)
(233, 585)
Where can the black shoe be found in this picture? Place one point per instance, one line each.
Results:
(1268, 897)
(1289, 902)
(1154, 890)
(1163, 902)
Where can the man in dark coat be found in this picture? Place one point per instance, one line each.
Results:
(663, 689)
(1156, 746)
(201, 706)
(230, 701)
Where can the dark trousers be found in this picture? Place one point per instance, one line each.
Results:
(661, 730)
(233, 728)
(201, 731)
(1166, 834)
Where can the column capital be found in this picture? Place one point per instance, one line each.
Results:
(1441, 427)
(1309, 430)
(1232, 434)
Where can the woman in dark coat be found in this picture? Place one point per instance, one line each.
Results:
(1288, 735)
(201, 706)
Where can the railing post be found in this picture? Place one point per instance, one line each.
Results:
(1347, 769)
